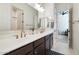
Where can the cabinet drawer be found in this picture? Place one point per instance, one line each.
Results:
(38, 42)
(47, 37)
(23, 50)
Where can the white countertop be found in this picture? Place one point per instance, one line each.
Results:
(9, 44)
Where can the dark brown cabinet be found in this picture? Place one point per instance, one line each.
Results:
(41, 46)
(40, 50)
(38, 42)
(30, 53)
(22, 50)
(51, 40)
(47, 44)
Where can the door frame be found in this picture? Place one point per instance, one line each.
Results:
(70, 36)
(70, 28)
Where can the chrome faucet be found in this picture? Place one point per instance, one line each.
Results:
(21, 34)
(17, 36)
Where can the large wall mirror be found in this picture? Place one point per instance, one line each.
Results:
(17, 18)
(11, 22)
(45, 22)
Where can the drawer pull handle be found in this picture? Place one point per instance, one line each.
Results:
(36, 52)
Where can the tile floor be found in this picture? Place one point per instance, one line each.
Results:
(61, 45)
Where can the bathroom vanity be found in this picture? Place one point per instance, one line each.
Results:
(13, 37)
(37, 44)
(41, 46)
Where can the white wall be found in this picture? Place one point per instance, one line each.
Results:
(63, 6)
(76, 28)
(5, 14)
(4, 17)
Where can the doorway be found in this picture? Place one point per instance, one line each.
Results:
(63, 34)
(63, 26)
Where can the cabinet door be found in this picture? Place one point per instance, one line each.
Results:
(38, 42)
(47, 44)
(22, 51)
(40, 50)
(51, 41)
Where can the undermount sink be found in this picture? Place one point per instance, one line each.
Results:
(7, 35)
(38, 31)
(11, 35)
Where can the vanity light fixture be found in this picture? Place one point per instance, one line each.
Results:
(39, 8)
(37, 5)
